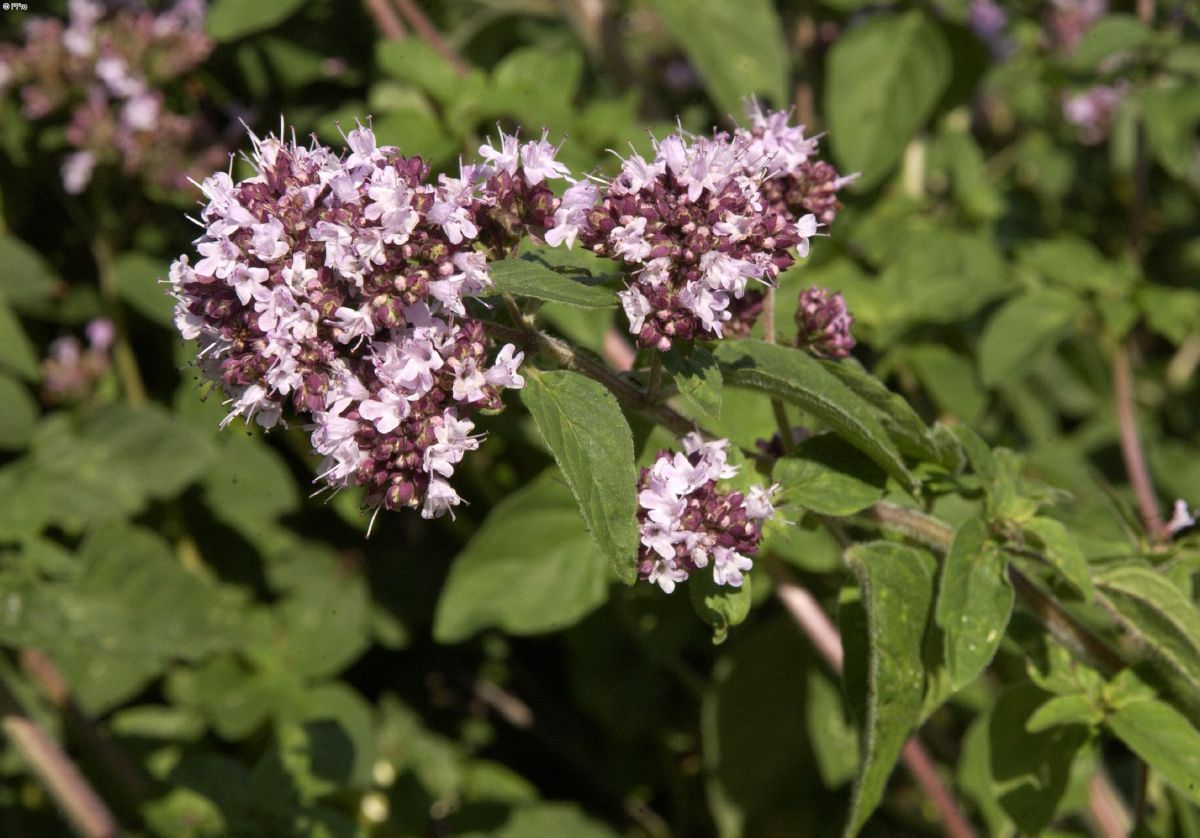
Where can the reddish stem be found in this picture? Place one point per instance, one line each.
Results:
(1131, 446)
(824, 636)
(428, 33)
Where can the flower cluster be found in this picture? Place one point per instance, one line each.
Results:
(1092, 111)
(823, 324)
(699, 221)
(336, 284)
(70, 370)
(686, 522)
(108, 72)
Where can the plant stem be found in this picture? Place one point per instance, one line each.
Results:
(60, 777)
(566, 355)
(428, 33)
(812, 620)
(1131, 446)
(655, 384)
(385, 19)
(936, 535)
(777, 406)
(123, 356)
(45, 675)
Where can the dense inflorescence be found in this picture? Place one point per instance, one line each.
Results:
(700, 221)
(823, 324)
(687, 522)
(334, 287)
(109, 73)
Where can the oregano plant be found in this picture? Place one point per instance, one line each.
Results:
(514, 441)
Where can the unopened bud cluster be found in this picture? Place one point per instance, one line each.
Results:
(701, 221)
(687, 523)
(823, 324)
(110, 74)
(334, 287)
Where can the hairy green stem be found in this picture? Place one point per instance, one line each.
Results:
(566, 355)
(777, 406)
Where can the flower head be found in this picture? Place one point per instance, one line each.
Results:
(332, 287)
(704, 225)
(687, 523)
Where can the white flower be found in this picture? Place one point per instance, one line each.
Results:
(538, 163)
(384, 410)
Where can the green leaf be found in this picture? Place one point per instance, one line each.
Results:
(877, 105)
(897, 593)
(698, 378)
(322, 620)
(414, 61)
(137, 279)
(1164, 738)
(18, 414)
(901, 422)
(1062, 552)
(753, 725)
(1074, 709)
(1157, 612)
(531, 568)
(1108, 35)
(974, 602)
(586, 432)
(415, 132)
(720, 606)
(792, 375)
(28, 280)
(229, 20)
(530, 278)
(536, 85)
(828, 475)
(950, 379)
(737, 48)
(538, 820)
(16, 352)
(833, 736)
(1172, 312)
(1021, 330)
(1030, 771)
(249, 485)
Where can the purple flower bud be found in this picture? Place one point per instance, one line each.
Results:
(823, 324)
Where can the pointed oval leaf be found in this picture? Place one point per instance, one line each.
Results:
(1062, 552)
(897, 593)
(531, 568)
(698, 378)
(1023, 328)
(894, 92)
(792, 375)
(586, 432)
(1156, 611)
(828, 475)
(1164, 738)
(737, 48)
(528, 278)
(974, 602)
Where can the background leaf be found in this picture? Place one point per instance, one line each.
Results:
(876, 106)
(532, 568)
